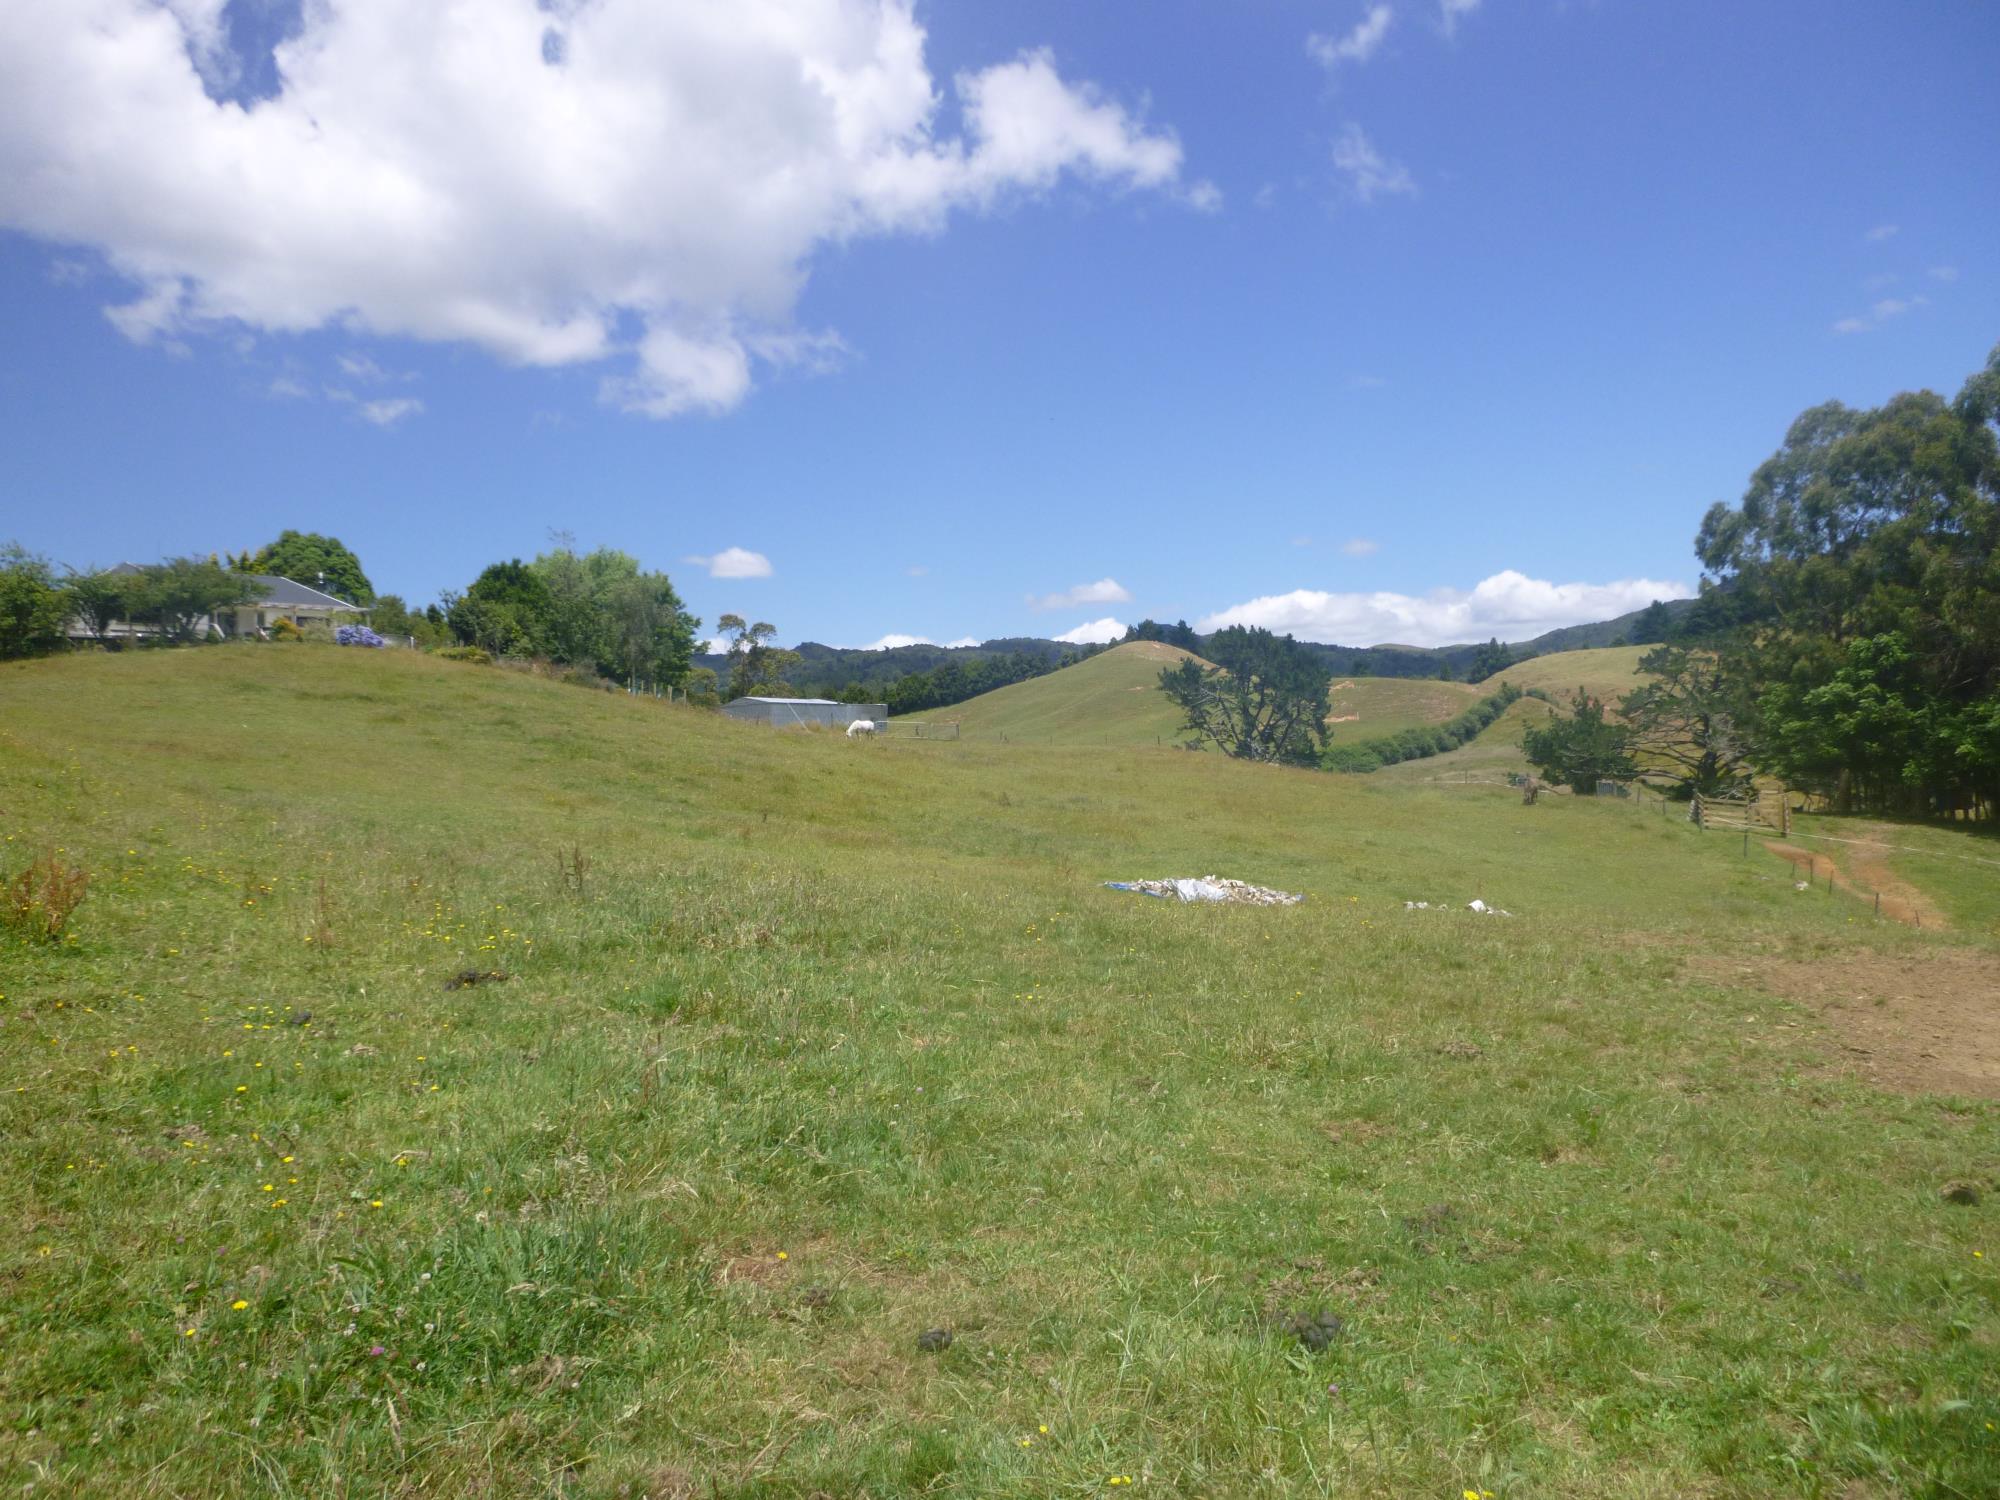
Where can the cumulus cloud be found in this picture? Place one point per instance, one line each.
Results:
(735, 562)
(962, 642)
(1944, 273)
(1093, 632)
(556, 183)
(1369, 173)
(1358, 45)
(1104, 591)
(1360, 546)
(1509, 605)
(1882, 232)
(1451, 12)
(1882, 312)
(389, 412)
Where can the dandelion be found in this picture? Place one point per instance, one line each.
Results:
(374, 1202)
(242, 1088)
(238, 1305)
(783, 1256)
(1043, 1429)
(187, 1333)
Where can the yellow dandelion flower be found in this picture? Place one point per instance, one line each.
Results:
(238, 1305)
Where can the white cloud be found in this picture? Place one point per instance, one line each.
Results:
(555, 183)
(1369, 174)
(1880, 313)
(1104, 591)
(1358, 45)
(735, 562)
(1360, 546)
(916, 570)
(1882, 232)
(288, 388)
(388, 413)
(1092, 632)
(1509, 605)
(1451, 12)
(962, 642)
(1944, 273)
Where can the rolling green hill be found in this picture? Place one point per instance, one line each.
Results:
(454, 1082)
(1365, 707)
(1114, 698)
(1607, 672)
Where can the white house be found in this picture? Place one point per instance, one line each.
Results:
(277, 599)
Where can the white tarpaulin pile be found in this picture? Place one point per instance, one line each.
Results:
(1209, 888)
(1479, 906)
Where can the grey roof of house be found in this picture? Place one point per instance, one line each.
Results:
(284, 591)
(279, 591)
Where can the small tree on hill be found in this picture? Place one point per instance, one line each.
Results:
(1581, 749)
(1265, 699)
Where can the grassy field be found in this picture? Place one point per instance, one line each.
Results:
(1367, 707)
(1608, 672)
(809, 1048)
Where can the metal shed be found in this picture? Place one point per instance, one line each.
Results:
(782, 713)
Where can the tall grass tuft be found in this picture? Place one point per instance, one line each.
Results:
(39, 901)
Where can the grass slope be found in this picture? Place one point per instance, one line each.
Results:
(832, 1044)
(1365, 708)
(1608, 672)
(1112, 698)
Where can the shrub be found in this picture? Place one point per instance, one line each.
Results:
(357, 635)
(284, 630)
(474, 654)
(37, 903)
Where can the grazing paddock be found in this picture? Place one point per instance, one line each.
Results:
(452, 1082)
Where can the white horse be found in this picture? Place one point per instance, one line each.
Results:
(862, 726)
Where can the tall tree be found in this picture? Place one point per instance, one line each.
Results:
(1869, 543)
(1264, 699)
(320, 562)
(756, 667)
(1683, 720)
(505, 611)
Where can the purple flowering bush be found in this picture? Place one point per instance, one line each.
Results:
(357, 635)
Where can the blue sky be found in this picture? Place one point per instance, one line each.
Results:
(1448, 324)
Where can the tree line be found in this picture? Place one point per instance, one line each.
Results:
(1847, 635)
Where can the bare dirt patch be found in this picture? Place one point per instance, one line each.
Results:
(1922, 1024)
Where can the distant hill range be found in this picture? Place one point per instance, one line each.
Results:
(826, 670)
